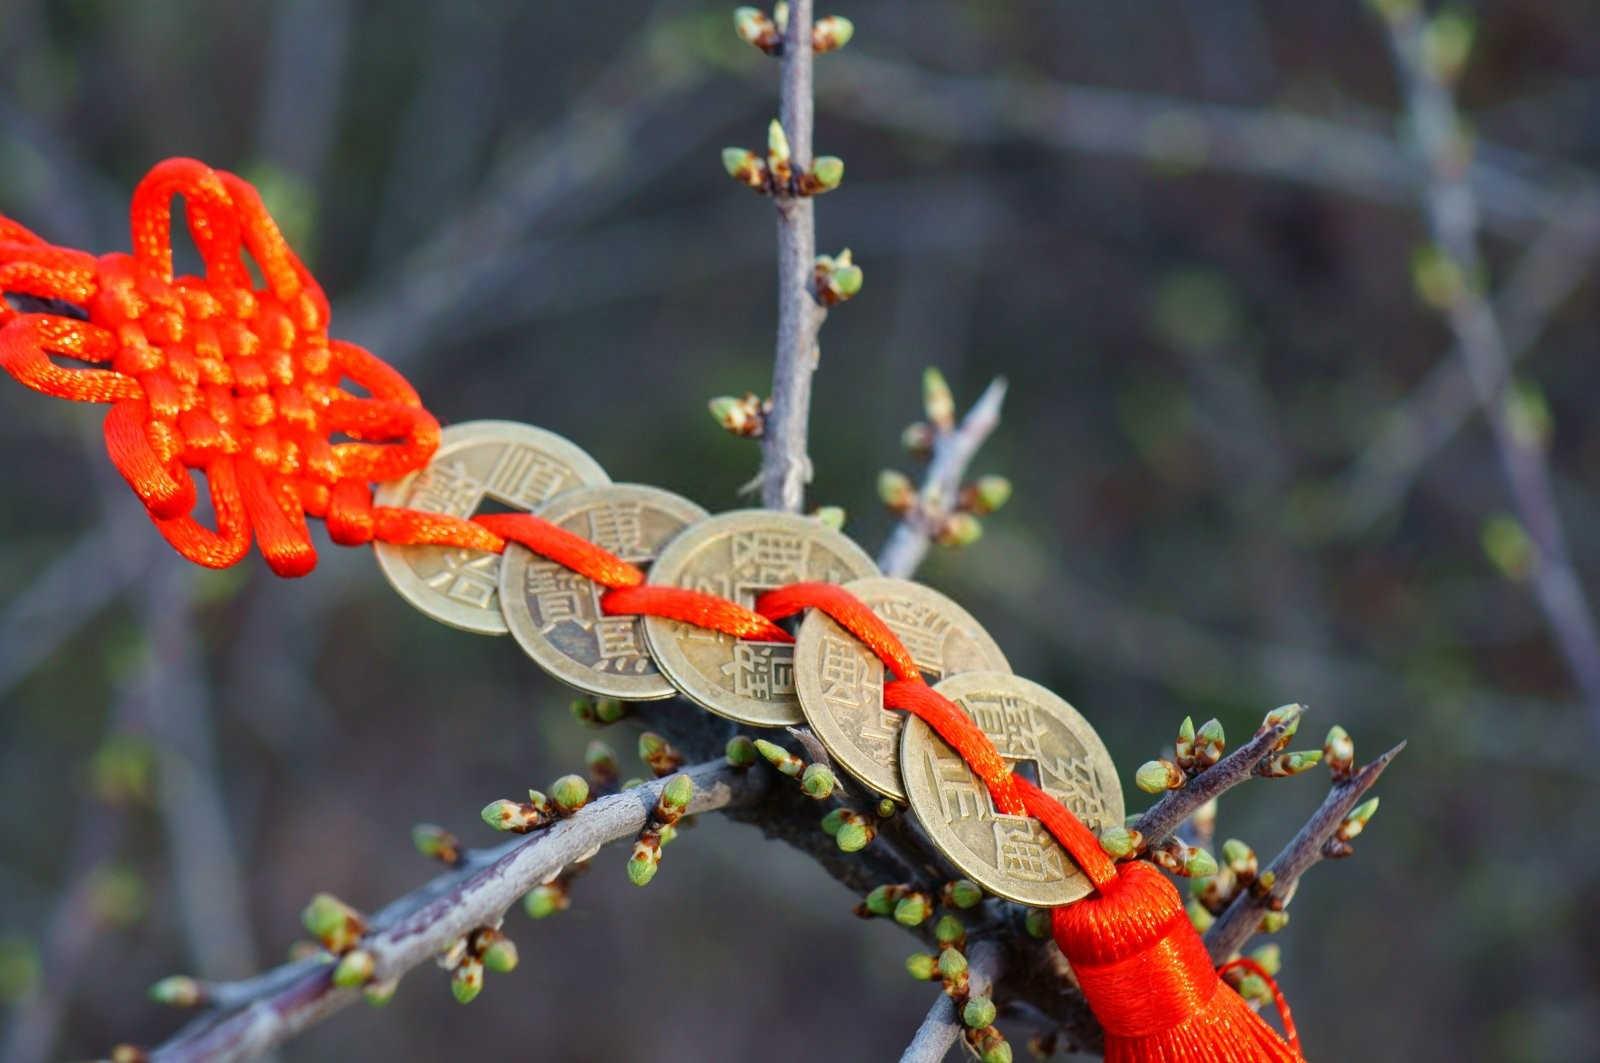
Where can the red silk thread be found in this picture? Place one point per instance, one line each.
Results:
(246, 387)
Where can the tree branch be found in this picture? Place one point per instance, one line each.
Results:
(785, 463)
(1175, 806)
(268, 1009)
(1238, 923)
(953, 451)
(943, 1027)
(1453, 218)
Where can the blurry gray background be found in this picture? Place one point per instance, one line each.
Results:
(1205, 311)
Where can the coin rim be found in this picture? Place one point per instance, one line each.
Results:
(391, 557)
(1076, 885)
(884, 779)
(660, 634)
(652, 686)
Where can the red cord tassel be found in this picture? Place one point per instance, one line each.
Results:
(1149, 981)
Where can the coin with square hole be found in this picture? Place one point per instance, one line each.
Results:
(1011, 856)
(840, 681)
(516, 465)
(554, 613)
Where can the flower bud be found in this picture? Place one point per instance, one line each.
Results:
(355, 968)
(938, 402)
(830, 33)
(1339, 752)
(544, 901)
(978, 1012)
(780, 758)
(896, 490)
(436, 843)
(501, 955)
(1287, 715)
(741, 752)
(1209, 743)
(958, 530)
(818, 781)
(1158, 776)
(963, 893)
(466, 981)
(178, 991)
(569, 793)
(1120, 842)
(913, 909)
(1183, 747)
(922, 966)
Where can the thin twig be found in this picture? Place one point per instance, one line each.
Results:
(785, 461)
(943, 1027)
(1175, 806)
(1238, 923)
(953, 451)
(418, 927)
(1541, 281)
(1453, 216)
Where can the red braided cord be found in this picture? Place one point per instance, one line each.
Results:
(246, 386)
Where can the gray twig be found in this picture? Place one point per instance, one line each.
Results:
(1452, 208)
(953, 451)
(943, 1027)
(419, 926)
(1236, 925)
(785, 462)
(1175, 806)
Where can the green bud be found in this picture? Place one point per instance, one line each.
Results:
(642, 866)
(830, 33)
(1272, 922)
(741, 752)
(569, 793)
(629, 784)
(1254, 989)
(777, 144)
(355, 968)
(1037, 923)
(1158, 776)
(959, 529)
(1439, 279)
(1446, 43)
(583, 711)
(922, 966)
(918, 438)
(997, 1052)
(896, 490)
(964, 893)
(1183, 747)
(833, 821)
(1199, 864)
(978, 1012)
(779, 757)
(882, 899)
(1209, 742)
(913, 909)
(938, 402)
(337, 925)
(544, 901)
(818, 781)
(1269, 957)
(380, 993)
(178, 991)
(989, 493)
(501, 955)
(737, 161)
(601, 761)
(678, 792)
(1240, 859)
(887, 809)
(436, 843)
(826, 171)
(1285, 764)
(669, 833)
(952, 964)
(1356, 821)
(1287, 715)
(1339, 750)
(854, 835)
(609, 710)
(1199, 916)
(830, 516)
(1120, 842)
(503, 814)
(466, 981)
(949, 932)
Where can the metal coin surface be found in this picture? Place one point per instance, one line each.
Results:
(555, 614)
(514, 464)
(840, 681)
(740, 555)
(1012, 856)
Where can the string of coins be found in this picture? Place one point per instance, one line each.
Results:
(578, 630)
(244, 386)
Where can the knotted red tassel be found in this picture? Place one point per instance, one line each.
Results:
(1148, 979)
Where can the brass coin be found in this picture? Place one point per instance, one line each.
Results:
(514, 464)
(1012, 856)
(840, 681)
(740, 555)
(555, 614)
